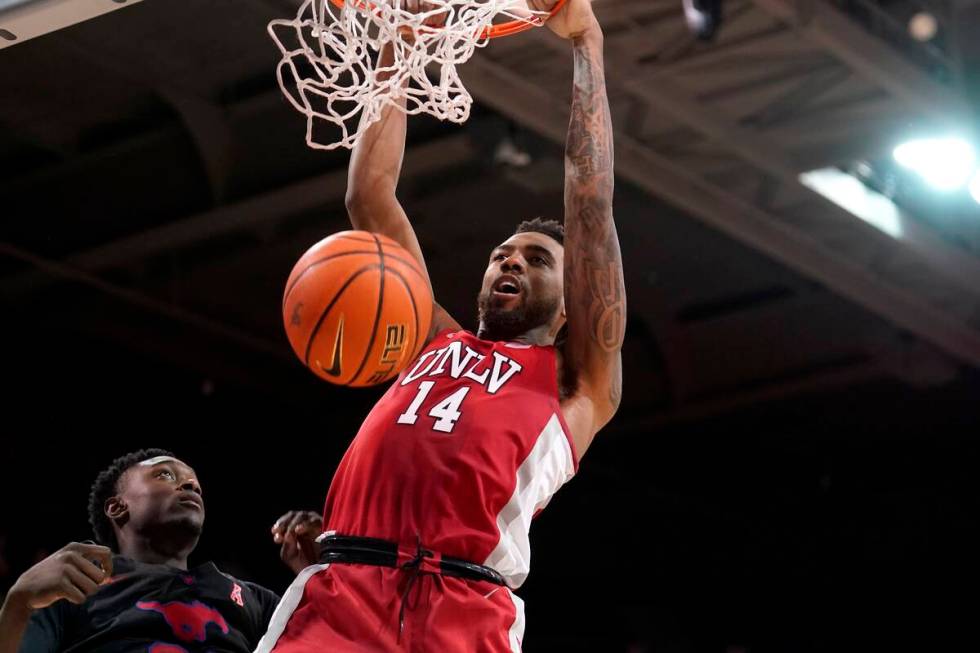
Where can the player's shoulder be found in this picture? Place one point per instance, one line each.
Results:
(449, 333)
(250, 586)
(261, 591)
(257, 599)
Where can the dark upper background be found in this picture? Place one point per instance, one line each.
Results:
(793, 465)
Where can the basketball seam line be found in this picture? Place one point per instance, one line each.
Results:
(377, 313)
(408, 263)
(326, 311)
(415, 310)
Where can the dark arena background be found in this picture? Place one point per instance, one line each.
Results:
(794, 464)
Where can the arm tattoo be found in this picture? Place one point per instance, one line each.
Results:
(607, 312)
(594, 291)
(589, 143)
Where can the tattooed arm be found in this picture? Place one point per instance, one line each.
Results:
(595, 296)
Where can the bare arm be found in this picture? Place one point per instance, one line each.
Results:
(14, 616)
(595, 295)
(70, 574)
(371, 182)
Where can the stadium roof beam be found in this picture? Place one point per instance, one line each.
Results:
(22, 20)
(251, 213)
(876, 61)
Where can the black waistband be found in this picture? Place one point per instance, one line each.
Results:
(372, 551)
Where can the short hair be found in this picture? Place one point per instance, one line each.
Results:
(544, 226)
(106, 485)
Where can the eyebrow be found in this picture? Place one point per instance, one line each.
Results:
(540, 249)
(531, 246)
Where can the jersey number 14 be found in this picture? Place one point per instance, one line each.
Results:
(446, 412)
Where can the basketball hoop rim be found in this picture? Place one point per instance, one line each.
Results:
(502, 29)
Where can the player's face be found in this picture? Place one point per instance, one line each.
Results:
(523, 286)
(163, 495)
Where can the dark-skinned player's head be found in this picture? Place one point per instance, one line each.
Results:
(523, 286)
(147, 495)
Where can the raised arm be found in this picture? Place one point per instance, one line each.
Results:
(371, 183)
(595, 296)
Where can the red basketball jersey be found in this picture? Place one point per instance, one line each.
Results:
(461, 452)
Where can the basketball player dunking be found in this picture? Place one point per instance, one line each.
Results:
(427, 519)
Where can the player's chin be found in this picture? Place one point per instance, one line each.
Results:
(193, 525)
(185, 515)
(504, 314)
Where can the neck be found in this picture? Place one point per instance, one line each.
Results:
(154, 551)
(539, 335)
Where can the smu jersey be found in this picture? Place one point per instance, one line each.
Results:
(146, 608)
(460, 454)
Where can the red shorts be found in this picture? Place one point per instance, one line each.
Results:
(352, 608)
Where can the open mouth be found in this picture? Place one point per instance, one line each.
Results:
(507, 286)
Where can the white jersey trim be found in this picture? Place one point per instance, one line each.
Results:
(516, 633)
(548, 466)
(290, 600)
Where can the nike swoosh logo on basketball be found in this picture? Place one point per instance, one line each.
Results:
(334, 369)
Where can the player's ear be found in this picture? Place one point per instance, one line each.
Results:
(116, 509)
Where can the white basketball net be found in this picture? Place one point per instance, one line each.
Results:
(330, 73)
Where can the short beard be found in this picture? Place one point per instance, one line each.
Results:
(500, 324)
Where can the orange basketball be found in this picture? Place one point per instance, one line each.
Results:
(357, 308)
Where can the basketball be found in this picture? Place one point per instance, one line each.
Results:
(357, 308)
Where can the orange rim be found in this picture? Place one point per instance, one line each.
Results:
(501, 29)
